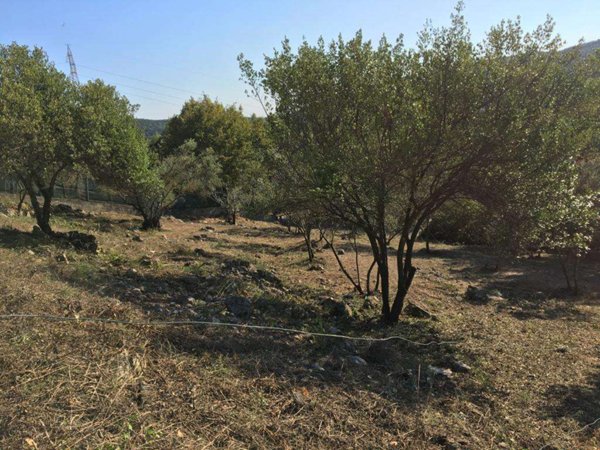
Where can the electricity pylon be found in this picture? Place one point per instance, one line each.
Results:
(74, 76)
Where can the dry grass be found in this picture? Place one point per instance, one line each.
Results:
(535, 376)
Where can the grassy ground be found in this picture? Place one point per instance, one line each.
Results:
(534, 354)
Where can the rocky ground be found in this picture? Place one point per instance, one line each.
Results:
(513, 360)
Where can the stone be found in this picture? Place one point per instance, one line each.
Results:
(317, 367)
(379, 352)
(340, 251)
(137, 238)
(562, 349)
(417, 311)
(146, 261)
(357, 360)
(62, 258)
(239, 306)
(371, 302)
(341, 310)
(316, 268)
(201, 252)
(460, 367)
(81, 241)
(476, 295)
(439, 372)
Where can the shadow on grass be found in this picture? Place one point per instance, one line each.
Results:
(531, 288)
(580, 402)
(394, 370)
(12, 238)
(268, 232)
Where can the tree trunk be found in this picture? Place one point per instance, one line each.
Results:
(151, 223)
(369, 291)
(384, 275)
(22, 195)
(42, 212)
(306, 234)
(406, 273)
(563, 265)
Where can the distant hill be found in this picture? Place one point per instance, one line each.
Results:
(152, 127)
(588, 48)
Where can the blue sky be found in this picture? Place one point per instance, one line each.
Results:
(189, 48)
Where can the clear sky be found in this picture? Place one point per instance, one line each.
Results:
(189, 48)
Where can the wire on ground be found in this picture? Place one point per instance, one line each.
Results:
(217, 324)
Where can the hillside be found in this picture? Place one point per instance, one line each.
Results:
(152, 127)
(589, 47)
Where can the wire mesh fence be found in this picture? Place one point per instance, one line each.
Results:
(82, 188)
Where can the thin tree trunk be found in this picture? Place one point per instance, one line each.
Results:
(306, 234)
(369, 291)
(575, 283)
(22, 195)
(357, 263)
(563, 265)
(344, 271)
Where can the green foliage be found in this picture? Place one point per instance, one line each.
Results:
(158, 184)
(380, 137)
(38, 139)
(567, 224)
(237, 143)
(461, 221)
(51, 128)
(116, 152)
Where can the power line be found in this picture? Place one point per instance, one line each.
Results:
(133, 94)
(135, 79)
(151, 92)
(155, 323)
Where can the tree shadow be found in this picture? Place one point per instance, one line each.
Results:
(12, 238)
(266, 232)
(397, 370)
(529, 288)
(257, 247)
(580, 402)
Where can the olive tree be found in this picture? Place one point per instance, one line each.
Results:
(382, 136)
(169, 178)
(235, 141)
(37, 137)
(50, 127)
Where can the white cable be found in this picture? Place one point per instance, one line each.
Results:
(215, 324)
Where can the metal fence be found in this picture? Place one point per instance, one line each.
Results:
(82, 188)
